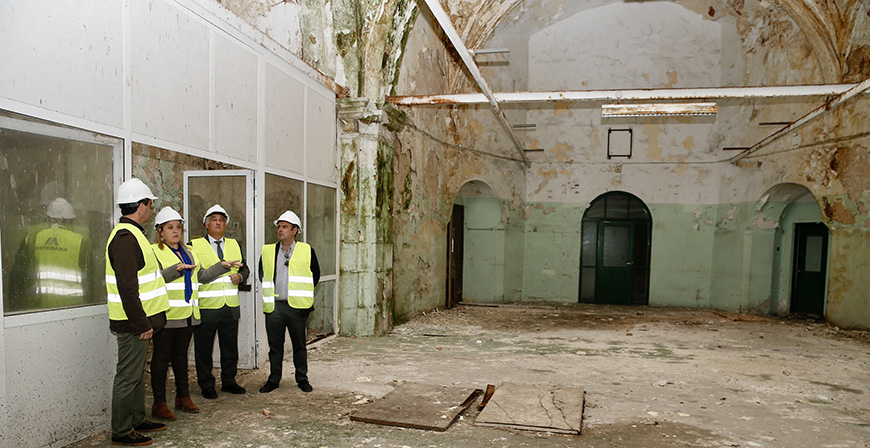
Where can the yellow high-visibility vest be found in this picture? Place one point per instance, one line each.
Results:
(300, 284)
(57, 278)
(152, 288)
(179, 308)
(221, 291)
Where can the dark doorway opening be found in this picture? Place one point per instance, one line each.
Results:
(809, 269)
(455, 254)
(615, 251)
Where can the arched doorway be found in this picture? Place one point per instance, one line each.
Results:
(800, 249)
(615, 250)
(473, 233)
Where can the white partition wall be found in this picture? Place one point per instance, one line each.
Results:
(182, 75)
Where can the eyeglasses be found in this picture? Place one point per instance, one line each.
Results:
(286, 259)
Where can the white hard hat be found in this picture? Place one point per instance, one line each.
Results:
(133, 191)
(60, 209)
(215, 209)
(165, 215)
(290, 217)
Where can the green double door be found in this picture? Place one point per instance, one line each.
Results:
(615, 250)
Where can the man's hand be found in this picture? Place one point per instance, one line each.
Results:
(146, 335)
(236, 278)
(231, 264)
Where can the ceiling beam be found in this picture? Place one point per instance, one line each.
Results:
(468, 59)
(857, 89)
(708, 93)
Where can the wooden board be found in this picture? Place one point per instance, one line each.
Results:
(534, 407)
(420, 406)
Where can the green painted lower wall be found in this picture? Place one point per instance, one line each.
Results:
(683, 238)
(848, 304)
(552, 257)
(716, 256)
(493, 252)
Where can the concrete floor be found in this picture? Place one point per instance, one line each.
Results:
(653, 378)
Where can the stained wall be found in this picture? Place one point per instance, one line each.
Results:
(712, 246)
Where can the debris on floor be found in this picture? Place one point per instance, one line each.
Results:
(419, 406)
(535, 407)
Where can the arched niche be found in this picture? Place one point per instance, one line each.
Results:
(615, 250)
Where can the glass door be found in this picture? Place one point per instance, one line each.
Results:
(234, 191)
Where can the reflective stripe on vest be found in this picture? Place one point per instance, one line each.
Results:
(221, 291)
(300, 284)
(152, 288)
(178, 307)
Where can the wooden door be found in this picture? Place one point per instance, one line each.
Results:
(455, 254)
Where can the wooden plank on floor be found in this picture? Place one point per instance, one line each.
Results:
(420, 406)
(534, 407)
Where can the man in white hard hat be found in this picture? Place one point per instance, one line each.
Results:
(53, 264)
(137, 301)
(289, 272)
(218, 305)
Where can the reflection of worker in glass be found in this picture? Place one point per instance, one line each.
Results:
(53, 264)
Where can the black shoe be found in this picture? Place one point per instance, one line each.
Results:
(305, 386)
(149, 426)
(209, 393)
(233, 389)
(268, 387)
(132, 439)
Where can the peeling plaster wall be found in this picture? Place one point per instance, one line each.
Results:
(829, 156)
(708, 247)
(438, 151)
(671, 168)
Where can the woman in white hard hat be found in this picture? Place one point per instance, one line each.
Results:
(182, 276)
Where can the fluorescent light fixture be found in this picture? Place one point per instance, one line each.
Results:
(658, 110)
(529, 126)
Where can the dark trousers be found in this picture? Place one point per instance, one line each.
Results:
(295, 321)
(170, 346)
(128, 389)
(224, 322)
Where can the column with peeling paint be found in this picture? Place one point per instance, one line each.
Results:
(365, 293)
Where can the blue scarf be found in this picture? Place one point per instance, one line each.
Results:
(188, 274)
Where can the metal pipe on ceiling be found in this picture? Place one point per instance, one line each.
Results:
(625, 95)
(828, 105)
(468, 59)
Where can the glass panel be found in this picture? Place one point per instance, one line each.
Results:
(282, 194)
(56, 212)
(587, 284)
(636, 209)
(813, 261)
(229, 193)
(617, 206)
(596, 210)
(320, 320)
(616, 246)
(321, 226)
(590, 244)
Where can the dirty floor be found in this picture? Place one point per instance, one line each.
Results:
(653, 378)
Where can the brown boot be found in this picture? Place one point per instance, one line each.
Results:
(161, 410)
(186, 404)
